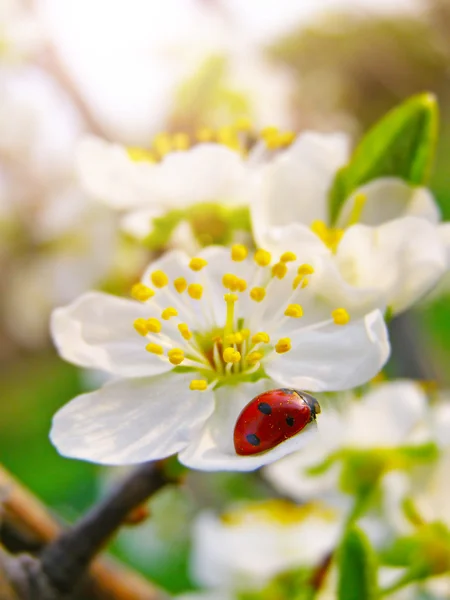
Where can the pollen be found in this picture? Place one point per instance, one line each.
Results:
(180, 284)
(340, 316)
(257, 294)
(279, 270)
(239, 252)
(294, 310)
(241, 285)
(262, 257)
(141, 326)
(254, 357)
(288, 257)
(234, 338)
(199, 385)
(183, 328)
(195, 291)
(153, 325)
(261, 337)
(141, 292)
(176, 356)
(305, 270)
(197, 264)
(283, 345)
(168, 313)
(231, 356)
(159, 279)
(154, 349)
(230, 281)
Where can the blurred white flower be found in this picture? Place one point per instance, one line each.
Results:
(21, 34)
(208, 353)
(386, 245)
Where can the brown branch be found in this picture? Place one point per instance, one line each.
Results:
(67, 554)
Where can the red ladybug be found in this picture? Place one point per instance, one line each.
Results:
(272, 418)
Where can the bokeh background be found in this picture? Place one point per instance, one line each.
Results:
(126, 70)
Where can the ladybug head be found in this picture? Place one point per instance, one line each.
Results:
(314, 406)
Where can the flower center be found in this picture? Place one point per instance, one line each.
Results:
(233, 350)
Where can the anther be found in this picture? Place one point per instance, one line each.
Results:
(153, 325)
(195, 291)
(198, 385)
(141, 326)
(294, 310)
(180, 284)
(176, 356)
(261, 337)
(288, 257)
(154, 349)
(197, 264)
(262, 257)
(283, 345)
(159, 279)
(140, 155)
(305, 270)
(141, 292)
(162, 143)
(241, 285)
(231, 356)
(257, 294)
(185, 331)
(168, 313)
(180, 141)
(253, 357)
(245, 333)
(205, 134)
(340, 316)
(239, 252)
(279, 270)
(243, 124)
(286, 138)
(230, 297)
(230, 281)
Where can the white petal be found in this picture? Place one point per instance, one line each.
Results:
(403, 258)
(213, 450)
(389, 198)
(132, 420)
(96, 331)
(109, 175)
(334, 357)
(293, 237)
(139, 223)
(205, 173)
(294, 186)
(444, 234)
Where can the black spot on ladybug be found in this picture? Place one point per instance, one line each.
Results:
(253, 439)
(290, 421)
(265, 408)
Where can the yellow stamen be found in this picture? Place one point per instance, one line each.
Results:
(257, 294)
(294, 310)
(279, 270)
(154, 349)
(297, 281)
(245, 333)
(197, 264)
(239, 252)
(262, 258)
(234, 338)
(153, 325)
(228, 137)
(199, 385)
(230, 281)
(180, 284)
(159, 279)
(195, 291)
(305, 270)
(141, 292)
(305, 282)
(185, 331)
(230, 355)
(254, 357)
(140, 155)
(262, 336)
(205, 134)
(340, 316)
(283, 345)
(162, 143)
(168, 313)
(230, 299)
(286, 138)
(176, 356)
(241, 285)
(329, 235)
(288, 257)
(180, 141)
(243, 124)
(357, 208)
(141, 326)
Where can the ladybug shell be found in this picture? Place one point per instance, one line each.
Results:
(269, 419)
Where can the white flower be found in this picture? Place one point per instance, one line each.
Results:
(391, 415)
(386, 245)
(197, 357)
(250, 544)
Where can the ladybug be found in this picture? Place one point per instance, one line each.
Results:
(272, 418)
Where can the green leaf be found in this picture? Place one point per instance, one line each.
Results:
(357, 567)
(402, 144)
